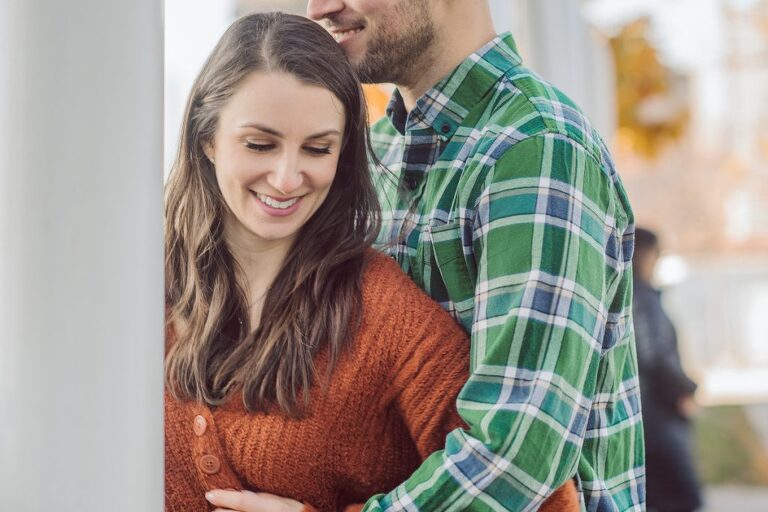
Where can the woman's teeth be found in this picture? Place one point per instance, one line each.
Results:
(274, 203)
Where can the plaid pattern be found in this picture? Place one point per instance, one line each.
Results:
(503, 204)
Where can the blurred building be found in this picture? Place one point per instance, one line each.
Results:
(692, 92)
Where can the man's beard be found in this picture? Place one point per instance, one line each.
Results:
(393, 58)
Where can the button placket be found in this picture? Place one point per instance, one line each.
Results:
(208, 453)
(199, 425)
(209, 464)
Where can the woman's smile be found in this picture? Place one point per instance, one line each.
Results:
(278, 207)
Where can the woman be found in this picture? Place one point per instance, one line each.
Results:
(299, 362)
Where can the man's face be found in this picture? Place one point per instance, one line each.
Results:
(383, 39)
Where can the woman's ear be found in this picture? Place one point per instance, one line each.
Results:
(208, 150)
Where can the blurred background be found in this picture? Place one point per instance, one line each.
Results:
(679, 90)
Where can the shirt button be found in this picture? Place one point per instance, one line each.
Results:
(209, 464)
(199, 425)
(411, 183)
(445, 128)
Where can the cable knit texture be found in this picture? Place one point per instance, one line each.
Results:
(388, 405)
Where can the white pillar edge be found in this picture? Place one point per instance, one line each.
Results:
(81, 275)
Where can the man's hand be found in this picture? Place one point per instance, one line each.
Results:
(247, 501)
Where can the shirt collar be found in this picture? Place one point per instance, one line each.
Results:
(445, 106)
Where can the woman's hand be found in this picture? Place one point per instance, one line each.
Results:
(247, 501)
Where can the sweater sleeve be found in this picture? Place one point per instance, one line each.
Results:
(355, 507)
(431, 365)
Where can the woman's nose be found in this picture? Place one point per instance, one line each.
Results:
(286, 177)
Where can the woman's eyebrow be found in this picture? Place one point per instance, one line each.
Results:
(272, 131)
(325, 133)
(263, 128)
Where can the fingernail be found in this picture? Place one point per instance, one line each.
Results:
(209, 496)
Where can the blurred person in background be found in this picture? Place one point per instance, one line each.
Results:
(667, 392)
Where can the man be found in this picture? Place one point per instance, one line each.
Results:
(503, 204)
(667, 392)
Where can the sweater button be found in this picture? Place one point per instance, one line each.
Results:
(199, 425)
(209, 464)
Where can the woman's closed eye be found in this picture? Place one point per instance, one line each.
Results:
(260, 147)
(263, 147)
(318, 150)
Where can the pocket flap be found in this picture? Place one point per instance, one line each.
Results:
(459, 279)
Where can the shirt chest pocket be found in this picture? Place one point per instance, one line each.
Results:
(452, 279)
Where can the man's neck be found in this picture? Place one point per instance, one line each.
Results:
(461, 34)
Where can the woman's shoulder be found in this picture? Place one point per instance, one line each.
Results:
(388, 293)
(378, 265)
(385, 281)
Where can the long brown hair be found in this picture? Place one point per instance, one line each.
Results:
(315, 301)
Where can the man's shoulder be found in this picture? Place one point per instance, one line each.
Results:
(529, 126)
(526, 105)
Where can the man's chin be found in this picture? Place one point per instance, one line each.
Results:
(355, 57)
(366, 71)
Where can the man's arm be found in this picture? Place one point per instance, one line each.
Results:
(548, 263)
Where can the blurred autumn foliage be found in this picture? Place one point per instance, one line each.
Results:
(377, 98)
(652, 106)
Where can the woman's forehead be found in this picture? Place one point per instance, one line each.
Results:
(283, 103)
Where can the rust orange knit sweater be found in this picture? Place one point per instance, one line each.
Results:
(389, 404)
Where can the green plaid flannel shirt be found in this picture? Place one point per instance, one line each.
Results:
(503, 204)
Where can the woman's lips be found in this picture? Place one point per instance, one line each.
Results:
(278, 206)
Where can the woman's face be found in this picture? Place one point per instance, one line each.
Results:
(275, 152)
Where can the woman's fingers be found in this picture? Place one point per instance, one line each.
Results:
(247, 501)
(232, 500)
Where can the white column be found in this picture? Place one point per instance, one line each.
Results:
(81, 305)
